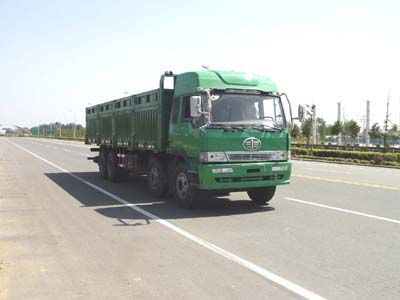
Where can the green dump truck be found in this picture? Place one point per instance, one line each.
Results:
(213, 131)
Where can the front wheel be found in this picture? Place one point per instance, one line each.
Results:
(184, 193)
(262, 196)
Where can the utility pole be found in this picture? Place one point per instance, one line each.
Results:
(367, 125)
(60, 130)
(386, 123)
(339, 118)
(74, 129)
(314, 124)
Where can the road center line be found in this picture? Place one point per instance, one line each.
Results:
(326, 170)
(344, 210)
(210, 246)
(341, 167)
(378, 186)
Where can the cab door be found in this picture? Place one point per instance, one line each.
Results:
(184, 132)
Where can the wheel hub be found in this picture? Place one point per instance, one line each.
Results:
(182, 185)
(154, 178)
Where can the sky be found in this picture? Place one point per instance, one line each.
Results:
(57, 57)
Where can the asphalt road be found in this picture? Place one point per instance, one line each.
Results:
(333, 233)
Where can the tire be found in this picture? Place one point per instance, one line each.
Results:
(103, 164)
(157, 180)
(184, 193)
(114, 172)
(262, 196)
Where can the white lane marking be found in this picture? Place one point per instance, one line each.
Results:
(338, 172)
(228, 255)
(123, 205)
(54, 147)
(84, 154)
(344, 210)
(66, 150)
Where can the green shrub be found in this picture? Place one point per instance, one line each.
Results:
(352, 156)
(299, 151)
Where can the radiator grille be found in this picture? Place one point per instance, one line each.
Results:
(257, 156)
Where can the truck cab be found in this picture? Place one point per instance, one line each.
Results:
(232, 132)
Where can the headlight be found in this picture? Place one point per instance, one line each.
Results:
(207, 157)
(279, 155)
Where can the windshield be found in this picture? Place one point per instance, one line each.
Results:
(247, 109)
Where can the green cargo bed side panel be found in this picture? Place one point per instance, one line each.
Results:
(145, 120)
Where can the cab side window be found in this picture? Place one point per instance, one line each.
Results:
(186, 109)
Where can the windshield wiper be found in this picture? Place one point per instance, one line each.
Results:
(264, 127)
(237, 128)
(226, 127)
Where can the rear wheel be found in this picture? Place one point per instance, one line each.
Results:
(262, 196)
(114, 172)
(184, 192)
(103, 164)
(157, 180)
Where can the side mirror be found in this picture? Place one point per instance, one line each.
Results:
(289, 119)
(300, 113)
(168, 83)
(195, 106)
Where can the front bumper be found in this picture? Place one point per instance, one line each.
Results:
(244, 176)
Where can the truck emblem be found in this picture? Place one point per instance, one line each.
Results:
(251, 144)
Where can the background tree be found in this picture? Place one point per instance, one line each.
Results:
(393, 133)
(375, 131)
(295, 133)
(322, 129)
(306, 129)
(336, 128)
(351, 128)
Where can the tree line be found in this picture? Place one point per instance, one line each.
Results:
(348, 129)
(53, 130)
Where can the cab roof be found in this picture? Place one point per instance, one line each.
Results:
(186, 83)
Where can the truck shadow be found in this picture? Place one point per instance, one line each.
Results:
(135, 192)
